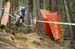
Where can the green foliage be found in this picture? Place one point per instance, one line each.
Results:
(7, 29)
(15, 4)
(62, 48)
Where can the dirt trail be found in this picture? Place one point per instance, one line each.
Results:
(33, 41)
(29, 41)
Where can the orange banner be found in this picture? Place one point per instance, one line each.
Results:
(51, 29)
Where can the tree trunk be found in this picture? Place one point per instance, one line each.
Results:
(44, 4)
(5, 16)
(37, 15)
(53, 5)
(70, 20)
